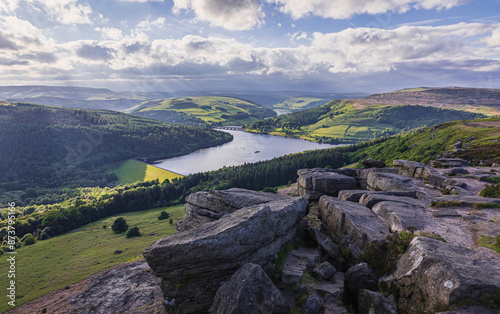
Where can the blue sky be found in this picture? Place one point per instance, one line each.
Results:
(310, 45)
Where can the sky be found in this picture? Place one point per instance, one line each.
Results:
(328, 46)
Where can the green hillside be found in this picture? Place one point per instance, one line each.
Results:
(300, 103)
(203, 110)
(48, 149)
(346, 121)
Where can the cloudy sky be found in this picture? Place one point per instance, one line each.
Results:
(310, 45)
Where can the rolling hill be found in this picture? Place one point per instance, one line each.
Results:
(347, 121)
(301, 103)
(202, 111)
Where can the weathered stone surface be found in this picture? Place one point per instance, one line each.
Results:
(298, 261)
(445, 213)
(130, 289)
(360, 276)
(373, 163)
(413, 169)
(370, 199)
(400, 216)
(457, 171)
(195, 262)
(362, 175)
(312, 305)
(351, 195)
(322, 182)
(457, 190)
(370, 302)
(355, 195)
(324, 271)
(443, 181)
(433, 273)
(202, 207)
(324, 242)
(341, 218)
(391, 182)
(449, 163)
(249, 291)
(465, 200)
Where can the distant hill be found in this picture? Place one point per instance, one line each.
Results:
(348, 121)
(301, 103)
(479, 100)
(69, 96)
(49, 148)
(202, 111)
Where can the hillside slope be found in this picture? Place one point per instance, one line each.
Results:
(202, 111)
(478, 100)
(346, 121)
(51, 147)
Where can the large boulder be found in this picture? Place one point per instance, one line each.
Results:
(355, 195)
(449, 163)
(413, 169)
(249, 291)
(130, 289)
(370, 199)
(370, 302)
(362, 175)
(399, 216)
(378, 181)
(434, 273)
(353, 222)
(359, 276)
(443, 181)
(193, 263)
(313, 183)
(202, 207)
(373, 163)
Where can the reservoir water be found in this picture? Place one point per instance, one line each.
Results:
(245, 148)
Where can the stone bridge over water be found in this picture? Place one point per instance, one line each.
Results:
(234, 128)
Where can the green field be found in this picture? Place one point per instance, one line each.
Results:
(69, 258)
(203, 110)
(300, 103)
(131, 171)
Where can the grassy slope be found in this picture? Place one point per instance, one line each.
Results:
(347, 121)
(480, 142)
(64, 260)
(300, 103)
(131, 171)
(199, 107)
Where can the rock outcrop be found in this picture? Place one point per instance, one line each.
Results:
(132, 289)
(194, 263)
(433, 273)
(202, 207)
(249, 291)
(313, 183)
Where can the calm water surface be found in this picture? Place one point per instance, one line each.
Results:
(245, 148)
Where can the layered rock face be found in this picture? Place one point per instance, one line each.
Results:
(194, 263)
(132, 289)
(202, 207)
(433, 273)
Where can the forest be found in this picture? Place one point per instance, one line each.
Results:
(50, 150)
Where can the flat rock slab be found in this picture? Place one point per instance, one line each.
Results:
(249, 291)
(464, 200)
(413, 169)
(446, 213)
(370, 199)
(400, 216)
(193, 263)
(322, 182)
(433, 273)
(340, 218)
(449, 163)
(298, 261)
(130, 289)
(362, 175)
(392, 182)
(202, 207)
(355, 195)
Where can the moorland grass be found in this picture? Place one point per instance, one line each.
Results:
(69, 258)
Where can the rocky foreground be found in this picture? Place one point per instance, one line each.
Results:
(240, 251)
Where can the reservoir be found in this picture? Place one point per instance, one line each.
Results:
(244, 148)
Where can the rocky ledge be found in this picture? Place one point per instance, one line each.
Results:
(338, 247)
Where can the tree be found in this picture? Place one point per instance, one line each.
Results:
(163, 215)
(133, 232)
(28, 239)
(119, 225)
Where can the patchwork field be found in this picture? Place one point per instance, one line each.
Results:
(131, 171)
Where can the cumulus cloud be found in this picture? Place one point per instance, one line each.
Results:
(94, 51)
(229, 14)
(148, 25)
(8, 5)
(68, 12)
(344, 9)
(110, 32)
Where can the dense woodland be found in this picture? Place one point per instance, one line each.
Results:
(46, 151)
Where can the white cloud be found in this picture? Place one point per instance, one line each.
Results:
(110, 32)
(141, 1)
(230, 14)
(9, 5)
(68, 12)
(344, 9)
(148, 25)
